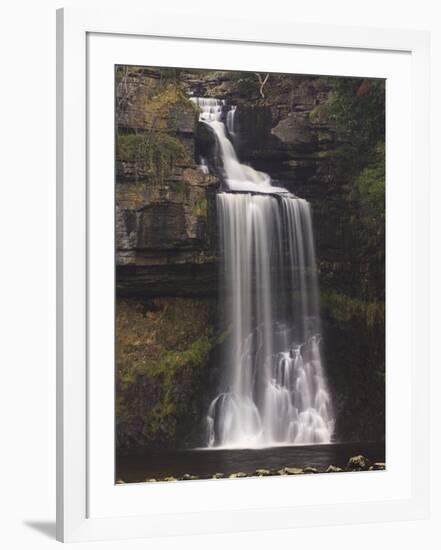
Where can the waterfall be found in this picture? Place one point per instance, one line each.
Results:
(273, 391)
(238, 177)
(230, 121)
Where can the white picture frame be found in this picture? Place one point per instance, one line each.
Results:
(88, 508)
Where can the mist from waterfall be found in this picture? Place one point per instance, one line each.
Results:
(274, 390)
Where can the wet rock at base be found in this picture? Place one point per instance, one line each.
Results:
(170, 478)
(151, 480)
(262, 472)
(188, 477)
(358, 463)
(218, 475)
(310, 470)
(119, 482)
(378, 466)
(333, 469)
(292, 471)
(238, 475)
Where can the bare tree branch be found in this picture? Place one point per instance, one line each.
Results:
(262, 82)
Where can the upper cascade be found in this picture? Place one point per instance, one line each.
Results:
(238, 177)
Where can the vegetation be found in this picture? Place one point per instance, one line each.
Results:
(153, 143)
(345, 309)
(156, 151)
(162, 349)
(369, 192)
(200, 207)
(356, 109)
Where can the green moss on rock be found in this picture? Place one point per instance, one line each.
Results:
(157, 151)
(200, 207)
(345, 309)
(369, 191)
(163, 347)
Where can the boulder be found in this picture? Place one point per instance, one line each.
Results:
(293, 471)
(188, 477)
(262, 472)
(358, 463)
(333, 469)
(295, 130)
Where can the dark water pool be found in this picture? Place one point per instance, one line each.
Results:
(146, 464)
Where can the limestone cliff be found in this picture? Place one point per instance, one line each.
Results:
(164, 204)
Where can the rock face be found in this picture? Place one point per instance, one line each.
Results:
(165, 263)
(164, 203)
(164, 348)
(295, 130)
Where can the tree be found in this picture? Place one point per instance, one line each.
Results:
(262, 82)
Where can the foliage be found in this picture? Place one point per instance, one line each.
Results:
(168, 75)
(170, 99)
(346, 309)
(157, 148)
(356, 107)
(162, 348)
(200, 207)
(369, 191)
(157, 151)
(245, 84)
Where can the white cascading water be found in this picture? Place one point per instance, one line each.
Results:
(238, 177)
(274, 391)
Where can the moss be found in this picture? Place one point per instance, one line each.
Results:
(161, 419)
(345, 309)
(178, 186)
(319, 114)
(163, 347)
(200, 208)
(192, 357)
(158, 148)
(157, 151)
(171, 99)
(369, 190)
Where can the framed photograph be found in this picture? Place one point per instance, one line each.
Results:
(242, 275)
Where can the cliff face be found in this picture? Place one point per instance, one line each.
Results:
(164, 203)
(165, 262)
(166, 245)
